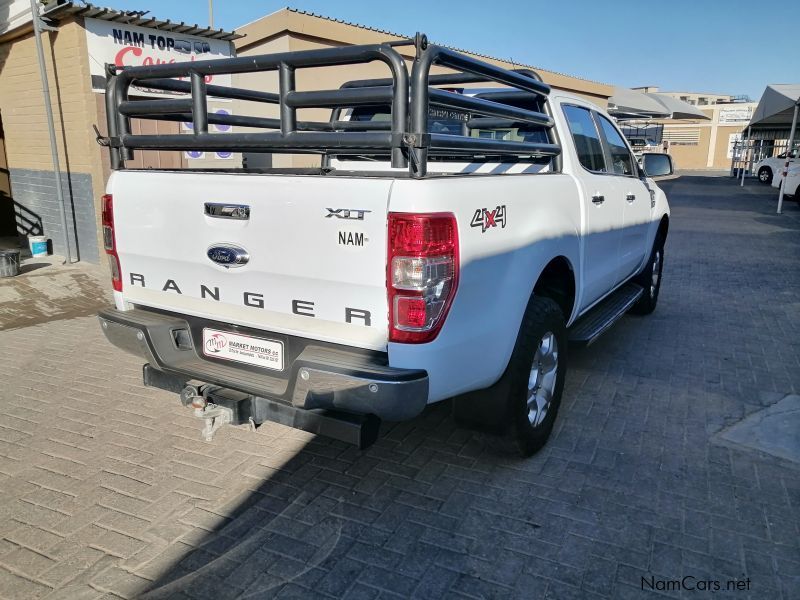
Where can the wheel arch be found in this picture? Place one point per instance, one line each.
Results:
(663, 228)
(557, 282)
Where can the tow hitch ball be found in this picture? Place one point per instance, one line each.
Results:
(214, 417)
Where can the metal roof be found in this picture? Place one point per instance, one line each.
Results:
(627, 104)
(776, 106)
(66, 8)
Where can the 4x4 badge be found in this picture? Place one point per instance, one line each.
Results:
(485, 218)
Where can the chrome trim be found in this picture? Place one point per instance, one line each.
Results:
(221, 210)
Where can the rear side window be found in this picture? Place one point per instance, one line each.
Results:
(458, 122)
(586, 138)
(621, 162)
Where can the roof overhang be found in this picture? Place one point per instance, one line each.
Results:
(65, 9)
(631, 104)
(678, 109)
(776, 107)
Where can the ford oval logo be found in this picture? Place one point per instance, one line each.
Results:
(228, 255)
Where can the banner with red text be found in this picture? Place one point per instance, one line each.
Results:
(130, 45)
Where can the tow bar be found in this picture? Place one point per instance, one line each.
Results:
(214, 416)
(218, 406)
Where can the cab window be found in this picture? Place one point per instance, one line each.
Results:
(586, 138)
(621, 161)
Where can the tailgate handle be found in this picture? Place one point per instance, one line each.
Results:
(218, 210)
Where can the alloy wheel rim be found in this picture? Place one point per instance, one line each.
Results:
(656, 273)
(542, 378)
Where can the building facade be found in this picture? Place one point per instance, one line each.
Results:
(708, 144)
(79, 40)
(705, 144)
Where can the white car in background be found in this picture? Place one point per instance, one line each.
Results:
(791, 188)
(768, 167)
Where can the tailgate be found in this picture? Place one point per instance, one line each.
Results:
(315, 250)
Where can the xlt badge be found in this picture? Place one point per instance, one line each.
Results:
(354, 214)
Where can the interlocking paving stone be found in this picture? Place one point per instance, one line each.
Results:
(773, 430)
(107, 490)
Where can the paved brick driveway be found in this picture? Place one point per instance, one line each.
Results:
(107, 491)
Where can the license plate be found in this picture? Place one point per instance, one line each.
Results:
(243, 349)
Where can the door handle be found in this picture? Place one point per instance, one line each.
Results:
(218, 210)
(598, 198)
(630, 197)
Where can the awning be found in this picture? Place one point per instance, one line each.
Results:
(630, 104)
(678, 109)
(776, 106)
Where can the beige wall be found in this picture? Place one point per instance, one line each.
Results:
(692, 156)
(712, 150)
(720, 158)
(264, 81)
(27, 139)
(72, 101)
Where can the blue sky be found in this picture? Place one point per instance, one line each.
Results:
(727, 47)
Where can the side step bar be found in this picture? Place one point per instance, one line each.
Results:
(600, 318)
(359, 430)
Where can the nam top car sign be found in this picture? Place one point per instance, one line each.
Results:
(130, 45)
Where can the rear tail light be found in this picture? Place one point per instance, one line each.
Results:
(110, 242)
(422, 274)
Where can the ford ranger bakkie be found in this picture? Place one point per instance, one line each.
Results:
(460, 231)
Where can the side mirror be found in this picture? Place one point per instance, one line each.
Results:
(655, 164)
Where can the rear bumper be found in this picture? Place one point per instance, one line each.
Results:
(318, 377)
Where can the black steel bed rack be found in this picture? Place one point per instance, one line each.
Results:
(404, 139)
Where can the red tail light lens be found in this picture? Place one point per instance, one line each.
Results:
(110, 242)
(422, 274)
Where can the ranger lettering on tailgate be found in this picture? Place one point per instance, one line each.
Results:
(303, 308)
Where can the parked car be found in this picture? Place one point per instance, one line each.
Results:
(791, 188)
(428, 258)
(768, 167)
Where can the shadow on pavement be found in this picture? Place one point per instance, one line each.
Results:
(332, 514)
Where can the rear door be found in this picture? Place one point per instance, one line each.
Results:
(602, 205)
(311, 250)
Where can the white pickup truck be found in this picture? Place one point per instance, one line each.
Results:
(455, 240)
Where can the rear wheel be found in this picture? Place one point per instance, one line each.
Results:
(650, 280)
(765, 175)
(523, 404)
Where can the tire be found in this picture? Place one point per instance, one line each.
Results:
(765, 175)
(523, 405)
(650, 280)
